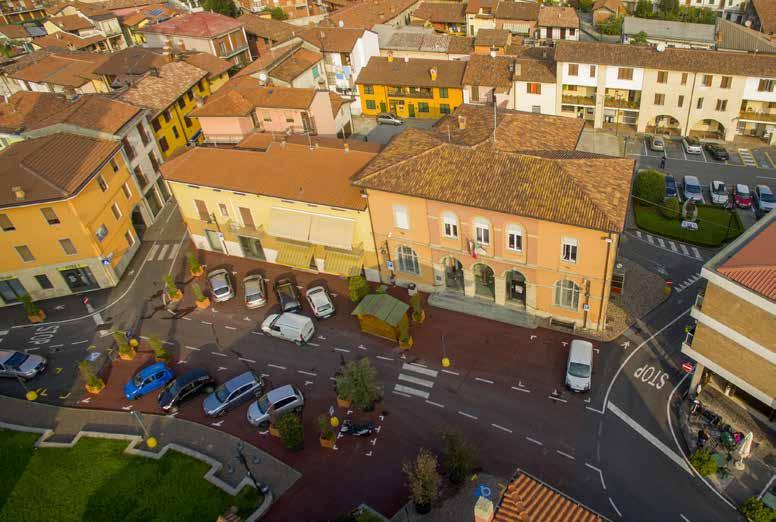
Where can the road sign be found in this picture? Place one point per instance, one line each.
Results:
(389, 264)
(687, 367)
(85, 300)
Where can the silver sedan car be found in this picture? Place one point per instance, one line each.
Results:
(255, 291)
(21, 365)
(220, 282)
(232, 393)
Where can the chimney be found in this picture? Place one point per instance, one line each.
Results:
(433, 73)
(346, 147)
(19, 193)
(517, 69)
(483, 510)
(462, 122)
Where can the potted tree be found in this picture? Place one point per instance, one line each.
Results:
(127, 352)
(405, 339)
(291, 431)
(358, 383)
(195, 267)
(326, 437)
(423, 480)
(418, 314)
(173, 292)
(459, 456)
(160, 352)
(200, 299)
(93, 383)
(357, 288)
(34, 313)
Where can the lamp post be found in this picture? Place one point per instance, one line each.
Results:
(260, 486)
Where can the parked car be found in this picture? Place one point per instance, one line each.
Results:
(388, 118)
(743, 196)
(719, 193)
(716, 151)
(289, 326)
(255, 291)
(220, 282)
(21, 365)
(288, 297)
(320, 302)
(232, 393)
(764, 198)
(147, 380)
(692, 189)
(691, 145)
(656, 143)
(185, 387)
(273, 404)
(671, 187)
(579, 368)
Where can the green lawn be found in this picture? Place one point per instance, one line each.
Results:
(712, 225)
(95, 481)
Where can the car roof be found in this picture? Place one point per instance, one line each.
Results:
(154, 368)
(764, 188)
(742, 187)
(243, 378)
(691, 179)
(252, 284)
(191, 375)
(292, 319)
(717, 182)
(281, 393)
(581, 351)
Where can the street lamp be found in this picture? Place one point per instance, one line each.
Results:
(260, 486)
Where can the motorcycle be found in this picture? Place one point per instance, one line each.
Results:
(357, 430)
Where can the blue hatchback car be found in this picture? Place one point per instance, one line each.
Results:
(147, 380)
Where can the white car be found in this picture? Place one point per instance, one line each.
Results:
(691, 189)
(289, 326)
(579, 368)
(719, 193)
(764, 198)
(220, 285)
(320, 302)
(692, 145)
(21, 365)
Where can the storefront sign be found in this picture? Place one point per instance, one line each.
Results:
(71, 267)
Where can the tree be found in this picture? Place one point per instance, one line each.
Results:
(224, 7)
(195, 267)
(291, 431)
(650, 187)
(30, 307)
(585, 5)
(458, 457)
(357, 288)
(668, 6)
(703, 463)
(639, 39)
(160, 352)
(172, 288)
(644, 9)
(754, 509)
(612, 25)
(423, 480)
(358, 383)
(277, 13)
(671, 208)
(93, 382)
(418, 315)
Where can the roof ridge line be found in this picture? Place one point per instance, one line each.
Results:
(584, 190)
(401, 162)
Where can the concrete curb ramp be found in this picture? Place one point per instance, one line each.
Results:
(132, 449)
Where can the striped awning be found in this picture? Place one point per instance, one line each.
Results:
(292, 254)
(341, 263)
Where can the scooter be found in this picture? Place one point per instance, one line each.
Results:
(357, 430)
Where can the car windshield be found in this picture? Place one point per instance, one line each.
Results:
(768, 198)
(253, 297)
(221, 290)
(579, 370)
(692, 141)
(671, 183)
(138, 380)
(263, 403)
(692, 189)
(742, 191)
(222, 393)
(326, 307)
(720, 189)
(16, 360)
(172, 387)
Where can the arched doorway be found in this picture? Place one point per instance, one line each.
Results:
(484, 281)
(708, 129)
(138, 221)
(664, 124)
(515, 282)
(454, 281)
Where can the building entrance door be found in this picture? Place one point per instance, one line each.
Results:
(79, 279)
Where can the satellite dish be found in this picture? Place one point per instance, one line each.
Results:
(263, 77)
(341, 23)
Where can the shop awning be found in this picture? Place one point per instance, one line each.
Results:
(333, 232)
(289, 225)
(342, 263)
(291, 254)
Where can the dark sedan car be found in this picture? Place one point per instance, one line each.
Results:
(184, 388)
(288, 297)
(716, 151)
(670, 187)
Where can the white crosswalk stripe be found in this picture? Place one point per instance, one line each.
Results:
(668, 245)
(684, 285)
(673, 246)
(747, 157)
(409, 378)
(411, 391)
(684, 249)
(174, 251)
(415, 380)
(152, 252)
(163, 252)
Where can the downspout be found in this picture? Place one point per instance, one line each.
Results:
(689, 105)
(609, 242)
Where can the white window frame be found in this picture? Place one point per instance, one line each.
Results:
(116, 211)
(514, 230)
(481, 224)
(401, 217)
(560, 293)
(573, 245)
(450, 225)
(223, 209)
(406, 258)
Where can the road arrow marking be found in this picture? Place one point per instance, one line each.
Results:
(361, 347)
(377, 429)
(60, 307)
(63, 397)
(534, 337)
(217, 424)
(308, 383)
(373, 441)
(564, 343)
(221, 368)
(86, 400)
(625, 345)
(369, 454)
(126, 408)
(182, 362)
(41, 392)
(322, 338)
(246, 318)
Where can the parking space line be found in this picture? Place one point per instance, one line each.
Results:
(538, 443)
(483, 380)
(469, 415)
(205, 322)
(80, 342)
(684, 518)
(615, 507)
(435, 404)
(563, 453)
(600, 473)
(230, 327)
(451, 372)
(502, 428)
(219, 354)
(521, 389)
(276, 366)
(311, 374)
(313, 344)
(247, 360)
(384, 358)
(564, 401)
(56, 345)
(341, 350)
(192, 348)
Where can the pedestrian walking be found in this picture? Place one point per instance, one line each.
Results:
(663, 162)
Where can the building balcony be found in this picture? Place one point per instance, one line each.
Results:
(238, 229)
(410, 94)
(569, 99)
(224, 138)
(757, 116)
(620, 103)
(687, 343)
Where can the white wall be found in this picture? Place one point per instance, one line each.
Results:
(613, 83)
(751, 92)
(583, 78)
(525, 101)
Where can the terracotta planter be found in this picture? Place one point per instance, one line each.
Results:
(176, 297)
(406, 345)
(95, 389)
(129, 356)
(327, 443)
(205, 303)
(274, 431)
(198, 272)
(342, 403)
(37, 318)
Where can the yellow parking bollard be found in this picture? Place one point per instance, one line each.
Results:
(151, 442)
(445, 362)
(133, 343)
(31, 395)
(334, 421)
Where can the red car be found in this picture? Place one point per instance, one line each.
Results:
(743, 196)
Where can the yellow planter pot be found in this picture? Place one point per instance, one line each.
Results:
(95, 389)
(37, 318)
(177, 297)
(128, 356)
(407, 345)
(198, 272)
(342, 403)
(205, 303)
(274, 431)
(327, 443)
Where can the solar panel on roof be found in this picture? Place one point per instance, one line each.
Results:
(156, 12)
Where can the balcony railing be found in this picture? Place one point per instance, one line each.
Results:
(611, 101)
(410, 94)
(688, 338)
(699, 301)
(239, 229)
(578, 100)
(757, 116)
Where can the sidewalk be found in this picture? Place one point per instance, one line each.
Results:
(66, 423)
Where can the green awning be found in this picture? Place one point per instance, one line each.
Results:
(382, 306)
(298, 256)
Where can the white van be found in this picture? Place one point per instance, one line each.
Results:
(580, 366)
(289, 326)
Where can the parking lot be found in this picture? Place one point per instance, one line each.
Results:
(760, 157)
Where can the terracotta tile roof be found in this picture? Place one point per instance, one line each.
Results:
(460, 45)
(91, 111)
(262, 140)
(124, 4)
(414, 72)
(63, 40)
(766, 12)
(72, 22)
(275, 30)
(154, 13)
(612, 5)
(367, 13)
(67, 70)
(51, 167)
(589, 191)
(296, 64)
(508, 10)
(332, 39)
(527, 498)
(528, 70)
(159, 92)
(337, 102)
(482, 69)
(25, 107)
(754, 264)
(199, 25)
(240, 96)
(554, 16)
(492, 37)
(268, 60)
(673, 59)
(131, 61)
(14, 31)
(473, 6)
(207, 62)
(441, 12)
(90, 9)
(288, 171)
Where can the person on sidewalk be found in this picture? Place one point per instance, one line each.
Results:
(663, 162)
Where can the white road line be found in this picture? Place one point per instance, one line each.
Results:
(502, 428)
(563, 453)
(451, 372)
(205, 322)
(80, 342)
(313, 344)
(483, 380)
(257, 333)
(615, 507)
(416, 380)
(311, 374)
(419, 369)
(219, 354)
(152, 252)
(4, 332)
(230, 327)
(56, 345)
(192, 348)
(247, 360)
(341, 350)
(638, 233)
(521, 389)
(162, 252)
(696, 253)
(276, 366)
(649, 437)
(402, 394)
(684, 249)
(684, 518)
(650, 239)
(186, 318)
(467, 415)
(661, 242)
(173, 251)
(564, 401)
(600, 473)
(411, 391)
(32, 349)
(435, 404)
(384, 358)
(673, 246)
(538, 443)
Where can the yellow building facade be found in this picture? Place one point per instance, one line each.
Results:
(72, 243)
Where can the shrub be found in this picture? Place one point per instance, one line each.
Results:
(611, 26)
(703, 463)
(194, 265)
(458, 457)
(404, 330)
(671, 209)
(585, 5)
(30, 307)
(644, 8)
(417, 308)
(197, 291)
(650, 187)
(160, 352)
(358, 383)
(324, 427)
(169, 284)
(423, 478)
(123, 343)
(291, 431)
(88, 375)
(639, 39)
(755, 510)
(224, 7)
(357, 288)
(277, 13)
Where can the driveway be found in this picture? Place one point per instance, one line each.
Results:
(383, 133)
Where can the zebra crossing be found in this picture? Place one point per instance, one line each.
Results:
(421, 379)
(163, 251)
(687, 283)
(747, 157)
(670, 246)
